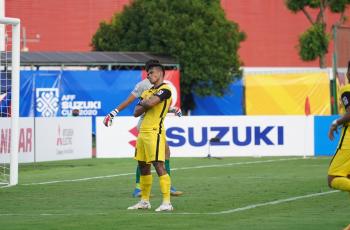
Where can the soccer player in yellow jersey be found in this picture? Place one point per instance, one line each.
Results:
(154, 104)
(339, 168)
(136, 93)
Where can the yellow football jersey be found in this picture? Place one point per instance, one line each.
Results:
(154, 117)
(344, 94)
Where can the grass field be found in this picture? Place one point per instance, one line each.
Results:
(231, 193)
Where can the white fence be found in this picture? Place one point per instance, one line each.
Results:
(48, 139)
(26, 140)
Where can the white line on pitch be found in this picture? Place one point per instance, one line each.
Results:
(174, 169)
(236, 163)
(81, 179)
(245, 208)
(51, 214)
(253, 206)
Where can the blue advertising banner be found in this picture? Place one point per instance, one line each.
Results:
(231, 103)
(57, 93)
(324, 146)
(39, 93)
(93, 93)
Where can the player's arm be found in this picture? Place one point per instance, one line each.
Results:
(150, 102)
(136, 92)
(345, 98)
(146, 104)
(139, 109)
(155, 99)
(107, 121)
(126, 102)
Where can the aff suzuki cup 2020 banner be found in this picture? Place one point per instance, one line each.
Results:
(234, 136)
(94, 93)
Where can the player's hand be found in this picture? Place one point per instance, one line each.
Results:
(108, 120)
(333, 128)
(139, 102)
(175, 110)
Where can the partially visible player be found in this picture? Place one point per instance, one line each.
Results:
(339, 168)
(136, 93)
(153, 105)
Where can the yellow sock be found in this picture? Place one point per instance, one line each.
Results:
(341, 183)
(165, 184)
(145, 185)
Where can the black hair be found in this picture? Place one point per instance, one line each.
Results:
(153, 63)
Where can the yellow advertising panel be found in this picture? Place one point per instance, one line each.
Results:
(287, 94)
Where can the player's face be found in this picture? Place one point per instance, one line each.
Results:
(154, 75)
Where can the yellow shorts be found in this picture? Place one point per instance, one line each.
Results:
(150, 147)
(340, 164)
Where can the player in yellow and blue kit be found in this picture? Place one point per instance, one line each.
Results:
(136, 93)
(339, 168)
(154, 104)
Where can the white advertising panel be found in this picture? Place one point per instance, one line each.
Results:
(117, 140)
(26, 140)
(63, 138)
(190, 136)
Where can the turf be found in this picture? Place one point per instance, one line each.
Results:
(213, 192)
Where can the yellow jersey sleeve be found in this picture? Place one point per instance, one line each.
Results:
(345, 96)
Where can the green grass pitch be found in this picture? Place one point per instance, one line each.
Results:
(281, 193)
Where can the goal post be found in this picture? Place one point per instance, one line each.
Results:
(10, 67)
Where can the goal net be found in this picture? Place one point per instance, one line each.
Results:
(9, 99)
